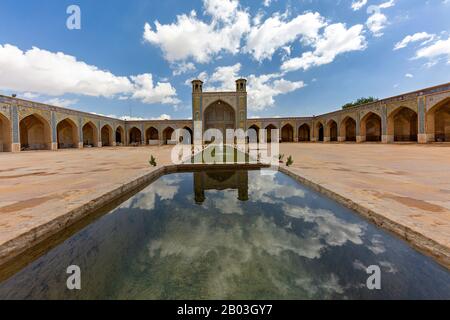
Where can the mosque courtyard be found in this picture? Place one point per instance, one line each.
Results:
(407, 185)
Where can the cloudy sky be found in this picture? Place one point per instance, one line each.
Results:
(301, 57)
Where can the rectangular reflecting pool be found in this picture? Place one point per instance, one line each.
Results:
(229, 235)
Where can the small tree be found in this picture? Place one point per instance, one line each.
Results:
(359, 102)
(152, 161)
(281, 157)
(289, 161)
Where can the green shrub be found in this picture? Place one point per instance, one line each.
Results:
(152, 161)
(289, 161)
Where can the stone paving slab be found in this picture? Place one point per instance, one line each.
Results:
(407, 184)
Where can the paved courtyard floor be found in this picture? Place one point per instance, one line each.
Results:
(409, 184)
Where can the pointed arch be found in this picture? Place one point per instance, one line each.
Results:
(269, 129)
(304, 133)
(135, 136)
(120, 136)
(403, 124)
(107, 136)
(167, 135)
(319, 131)
(438, 122)
(370, 127)
(287, 133)
(67, 134)
(347, 130)
(90, 135)
(332, 130)
(152, 136)
(5, 134)
(35, 133)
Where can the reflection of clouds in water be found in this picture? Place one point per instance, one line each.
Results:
(225, 202)
(324, 287)
(262, 189)
(266, 189)
(334, 231)
(377, 245)
(385, 265)
(235, 247)
(166, 188)
(261, 236)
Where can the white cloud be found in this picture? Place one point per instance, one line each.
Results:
(191, 38)
(221, 10)
(267, 3)
(275, 32)
(336, 39)
(162, 117)
(377, 22)
(30, 95)
(409, 75)
(420, 36)
(59, 102)
(262, 89)
(438, 49)
(358, 4)
(147, 92)
(182, 68)
(55, 74)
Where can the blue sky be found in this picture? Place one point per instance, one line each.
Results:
(302, 57)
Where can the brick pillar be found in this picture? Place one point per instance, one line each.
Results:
(54, 145)
(15, 130)
(421, 114)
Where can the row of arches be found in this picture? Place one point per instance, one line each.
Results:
(402, 125)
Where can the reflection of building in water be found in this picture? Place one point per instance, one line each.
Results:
(220, 180)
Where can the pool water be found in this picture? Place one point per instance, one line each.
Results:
(230, 235)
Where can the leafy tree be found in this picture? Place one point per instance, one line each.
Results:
(359, 102)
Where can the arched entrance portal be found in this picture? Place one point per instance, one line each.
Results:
(319, 132)
(35, 133)
(188, 136)
(120, 136)
(332, 130)
(90, 135)
(371, 127)
(304, 134)
(255, 129)
(438, 122)
(348, 129)
(219, 115)
(287, 133)
(135, 136)
(269, 137)
(5, 134)
(402, 124)
(67, 134)
(107, 136)
(167, 135)
(152, 136)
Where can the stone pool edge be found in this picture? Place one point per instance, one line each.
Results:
(14, 247)
(439, 252)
